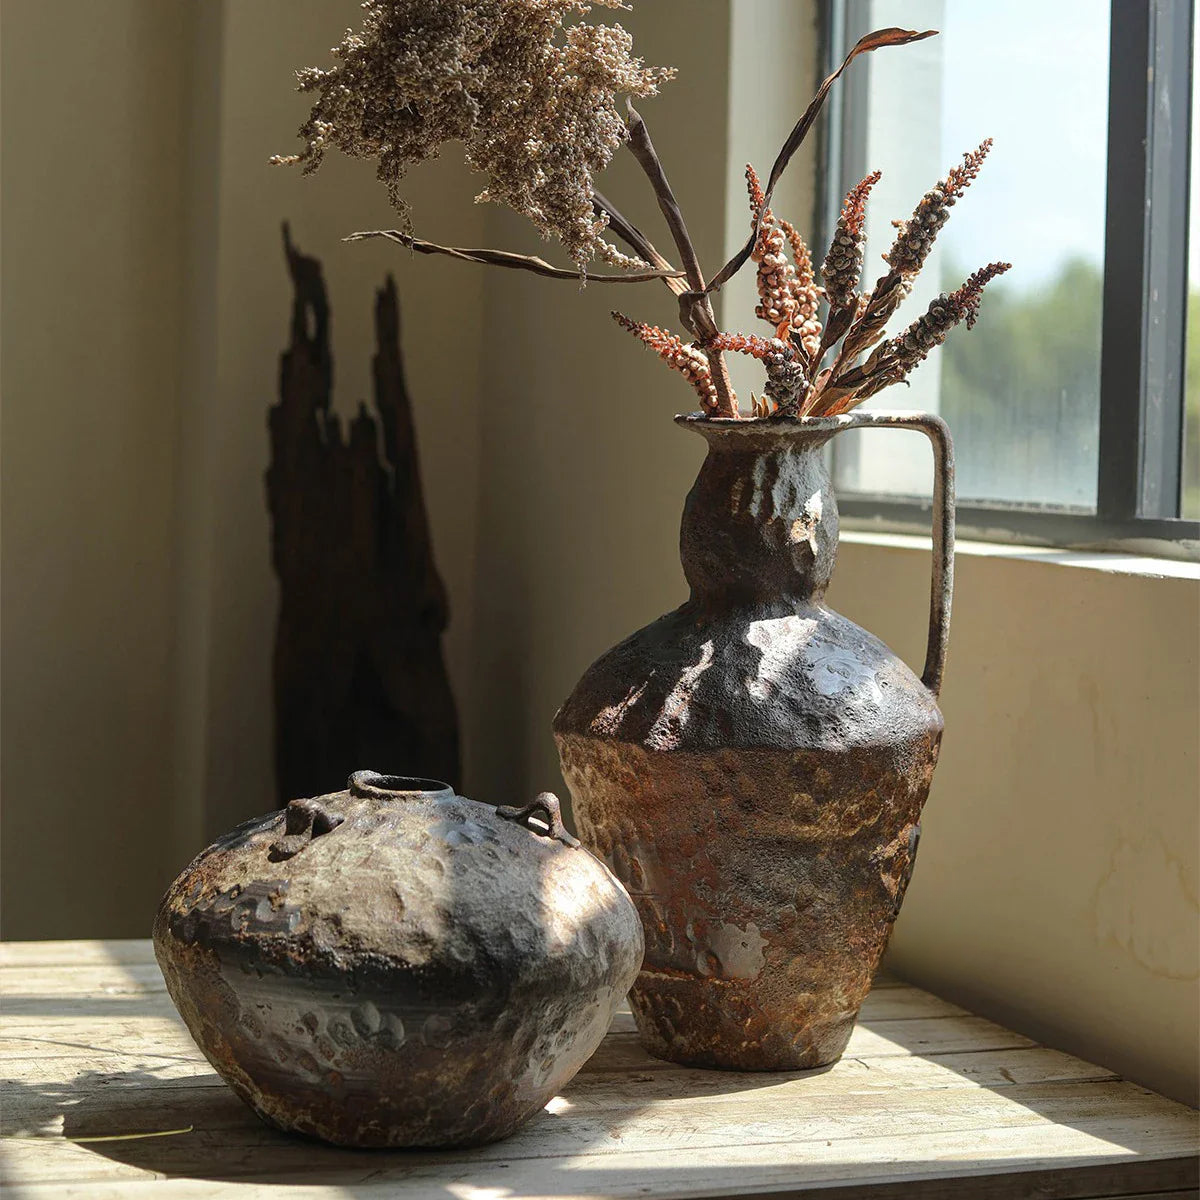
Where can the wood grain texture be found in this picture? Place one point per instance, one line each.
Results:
(929, 1102)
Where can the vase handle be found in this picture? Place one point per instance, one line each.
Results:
(942, 586)
(546, 808)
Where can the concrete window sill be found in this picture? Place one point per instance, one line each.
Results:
(1109, 562)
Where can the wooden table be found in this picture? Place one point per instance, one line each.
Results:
(929, 1101)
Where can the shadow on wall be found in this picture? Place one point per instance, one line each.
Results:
(359, 676)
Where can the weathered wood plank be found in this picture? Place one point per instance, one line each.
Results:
(929, 1100)
(81, 982)
(160, 1035)
(272, 1162)
(27, 988)
(33, 1099)
(75, 953)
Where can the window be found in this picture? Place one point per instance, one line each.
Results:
(1067, 401)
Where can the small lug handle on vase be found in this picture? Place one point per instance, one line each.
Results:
(942, 585)
(546, 806)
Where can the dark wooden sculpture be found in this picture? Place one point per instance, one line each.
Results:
(359, 673)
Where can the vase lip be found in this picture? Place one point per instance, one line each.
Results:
(701, 422)
(371, 784)
(757, 433)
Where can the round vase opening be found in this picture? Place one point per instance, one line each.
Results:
(398, 787)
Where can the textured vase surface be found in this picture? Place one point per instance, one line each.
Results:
(753, 765)
(396, 965)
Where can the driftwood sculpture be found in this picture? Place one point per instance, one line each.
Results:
(359, 673)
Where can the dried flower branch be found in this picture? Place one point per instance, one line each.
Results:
(806, 324)
(786, 376)
(896, 359)
(533, 98)
(915, 237)
(843, 264)
(872, 41)
(689, 361)
(533, 102)
(789, 296)
(776, 302)
(912, 346)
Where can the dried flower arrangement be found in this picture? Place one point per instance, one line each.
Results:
(533, 99)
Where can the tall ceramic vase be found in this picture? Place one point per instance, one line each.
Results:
(753, 765)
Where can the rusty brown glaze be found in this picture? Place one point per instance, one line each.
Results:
(753, 765)
(396, 965)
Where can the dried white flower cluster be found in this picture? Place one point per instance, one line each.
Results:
(533, 102)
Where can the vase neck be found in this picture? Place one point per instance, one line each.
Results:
(760, 525)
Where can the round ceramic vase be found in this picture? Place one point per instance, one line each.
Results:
(396, 965)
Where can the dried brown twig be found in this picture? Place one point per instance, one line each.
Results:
(633, 237)
(695, 308)
(505, 258)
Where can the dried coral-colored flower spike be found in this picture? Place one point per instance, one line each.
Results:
(843, 263)
(915, 237)
(966, 299)
(806, 324)
(959, 178)
(757, 198)
(787, 380)
(909, 348)
(689, 361)
(777, 303)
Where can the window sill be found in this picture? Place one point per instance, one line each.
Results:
(1112, 562)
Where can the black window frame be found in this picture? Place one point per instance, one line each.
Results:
(1143, 326)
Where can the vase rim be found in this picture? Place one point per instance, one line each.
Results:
(754, 434)
(700, 421)
(371, 784)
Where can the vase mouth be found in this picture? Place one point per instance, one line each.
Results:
(702, 421)
(370, 784)
(751, 434)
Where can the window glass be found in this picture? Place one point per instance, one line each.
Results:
(1021, 391)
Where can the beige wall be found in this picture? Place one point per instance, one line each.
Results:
(145, 304)
(1057, 881)
(91, 211)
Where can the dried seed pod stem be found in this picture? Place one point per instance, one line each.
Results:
(806, 324)
(787, 379)
(843, 264)
(915, 237)
(777, 303)
(690, 361)
(872, 41)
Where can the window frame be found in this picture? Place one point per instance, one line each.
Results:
(1143, 325)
